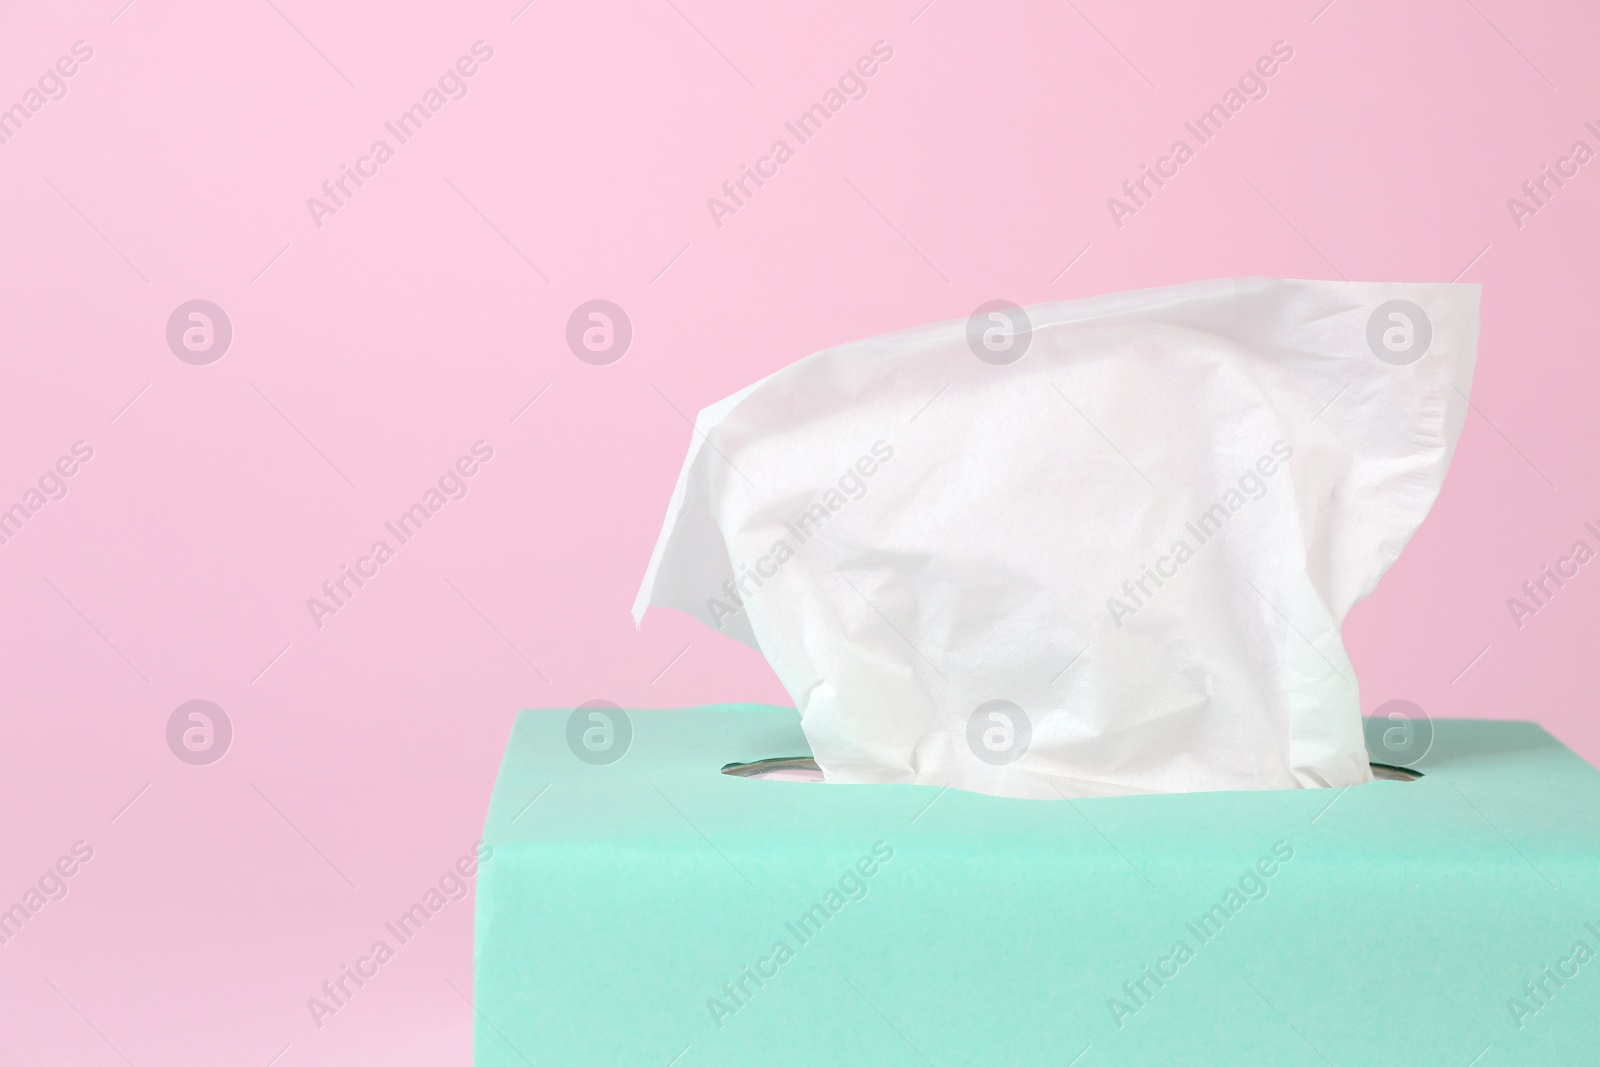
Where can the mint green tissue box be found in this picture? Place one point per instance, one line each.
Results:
(654, 911)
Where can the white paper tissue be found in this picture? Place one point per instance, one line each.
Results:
(1116, 564)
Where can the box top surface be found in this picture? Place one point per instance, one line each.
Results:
(1510, 781)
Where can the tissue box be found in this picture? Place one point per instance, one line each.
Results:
(640, 907)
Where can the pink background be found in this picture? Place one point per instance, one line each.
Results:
(369, 353)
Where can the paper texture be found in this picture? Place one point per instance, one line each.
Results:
(1116, 564)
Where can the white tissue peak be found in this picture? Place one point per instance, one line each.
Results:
(1143, 536)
